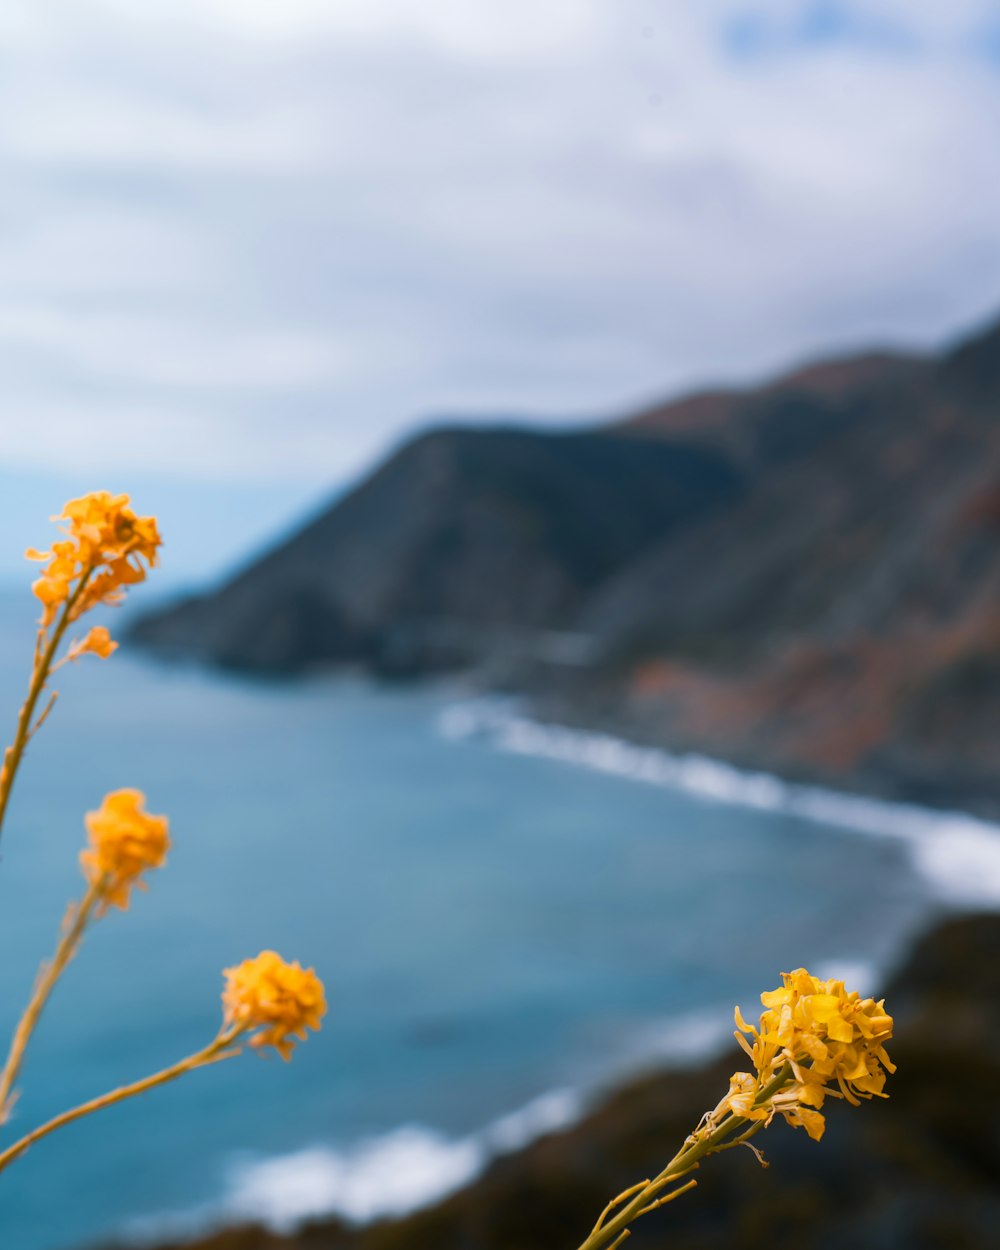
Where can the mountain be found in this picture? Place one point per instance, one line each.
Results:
(724, 414)
(841, 620)
(464, 543)
(803, 577)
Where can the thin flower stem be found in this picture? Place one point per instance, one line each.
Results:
(45, 711)
(743, 1139)
(675, 1193)
(73, 929)
(44, 655)
(686, 1159)
(633, 1189)
(221, 1048)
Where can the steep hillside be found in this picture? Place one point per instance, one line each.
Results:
(463, 544)
(842, 619)
(804, 577)
(731, 418)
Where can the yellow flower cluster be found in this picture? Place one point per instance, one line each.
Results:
(105, 546)
(826, 1037)
(281, 999)
(124, 842)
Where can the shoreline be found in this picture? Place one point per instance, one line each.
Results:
(964, 872)
(884, 1174)
(881, 781)
(412, 1168)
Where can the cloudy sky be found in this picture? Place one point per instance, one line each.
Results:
(246, 244)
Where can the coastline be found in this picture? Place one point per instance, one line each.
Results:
(920, 1169)
(390, 1186)
(399, 1173)
(886, 774)
(958, 851)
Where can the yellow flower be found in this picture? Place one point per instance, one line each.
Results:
(801, 1116)
(281, 999)
(105, 542)
(831, 1040)
(124, 842)
(742, 1094)
(97, 642)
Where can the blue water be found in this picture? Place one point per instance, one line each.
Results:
(490, 926)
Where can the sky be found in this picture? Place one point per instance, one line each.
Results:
(246, 245)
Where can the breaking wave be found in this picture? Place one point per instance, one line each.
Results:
(957, 853)
(388, 1175)
(413, 1166)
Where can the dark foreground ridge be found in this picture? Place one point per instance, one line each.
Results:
(920, 1171)
(803, 578)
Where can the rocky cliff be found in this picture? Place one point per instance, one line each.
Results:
(465, 543)
(803, 577)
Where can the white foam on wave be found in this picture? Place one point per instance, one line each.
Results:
(856, 974)
(391, 1174)
(413, 1166)
(548, 1113)
(691, 1038)
(957, 853)
(388, 1175)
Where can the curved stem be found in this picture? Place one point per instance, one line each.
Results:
(44, 655)
(683, 1162)
(73, 930)
(215, 1051)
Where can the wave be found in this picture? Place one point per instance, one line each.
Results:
(957, 853)
(693, 1038)
(391, 1174)
(394, 1173)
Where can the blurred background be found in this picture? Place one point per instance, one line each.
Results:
(574, 429)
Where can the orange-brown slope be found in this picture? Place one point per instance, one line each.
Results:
(842, 620)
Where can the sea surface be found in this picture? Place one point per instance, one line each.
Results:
(507, 917)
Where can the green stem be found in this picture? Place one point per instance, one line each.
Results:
(39, 676)
(220, 1048)
(48, 976)
(686, 1158)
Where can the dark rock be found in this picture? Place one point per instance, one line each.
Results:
(465, 543)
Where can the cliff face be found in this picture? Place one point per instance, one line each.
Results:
(920, 1170)
(805, 577)
(841, 620)
(464, 543)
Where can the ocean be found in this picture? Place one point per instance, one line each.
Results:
(508, 918)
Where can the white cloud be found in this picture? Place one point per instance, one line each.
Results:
(279, 232)
(85, 127)
(464, 28)
(58, 251)
(168, 353)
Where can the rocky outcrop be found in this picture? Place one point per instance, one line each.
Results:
(465, 544)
